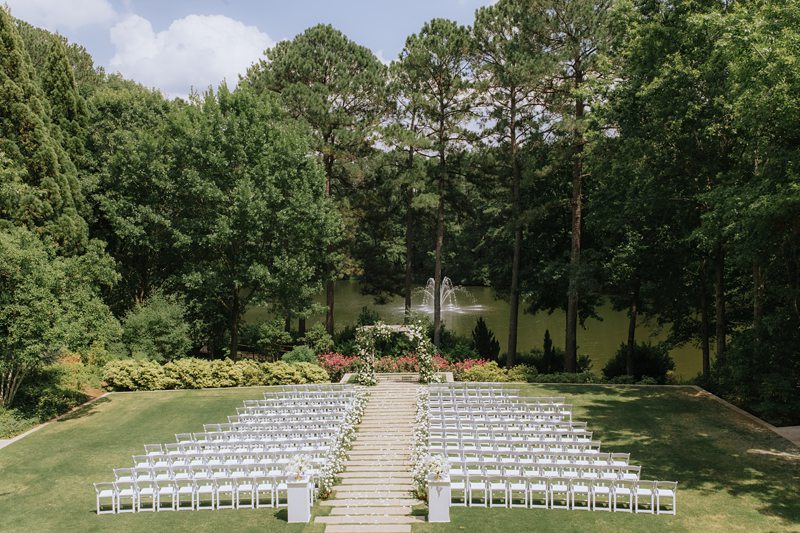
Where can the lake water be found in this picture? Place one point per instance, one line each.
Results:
(600, 339)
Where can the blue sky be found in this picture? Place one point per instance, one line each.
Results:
(178, 44)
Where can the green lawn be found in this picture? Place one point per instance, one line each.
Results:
(732, 475)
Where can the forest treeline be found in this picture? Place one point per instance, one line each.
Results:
(562, 152)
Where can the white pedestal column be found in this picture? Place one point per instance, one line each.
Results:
(439, 500)
(299, 500)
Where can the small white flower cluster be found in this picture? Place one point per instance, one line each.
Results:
(344, 441)
(299, 466)
(419, 453)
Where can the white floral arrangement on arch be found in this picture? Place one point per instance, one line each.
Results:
(367, 336)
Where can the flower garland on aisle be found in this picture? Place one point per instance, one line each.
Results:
(344, 440)
(420, 457)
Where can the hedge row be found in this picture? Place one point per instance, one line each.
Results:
(191, 373)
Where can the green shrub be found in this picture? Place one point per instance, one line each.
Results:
(488, 372)
(191, 373)
(300, 354)
(157, 329)
(318, 339)
(648, 360)
(312, 373)
(12, 422)
(270, 337)
(523, 373)
(282, 373)
(566, 377)
(251, 373)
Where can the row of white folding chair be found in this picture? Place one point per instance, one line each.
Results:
(492, 419)
(498, 466)
(505, 398)
(277, 426)
(545, 438)
(333, 387)
(267, 432)
(515, 409)
(232, 456)
(503, 430)
(190, 494)
(280, 406)
(487, 429)
(318, 415)
(265, 435)
(332, 418)
(564, 493)
(269, 399)
(184, 447)
(261, 468)
(467, 385)
(524, 458)
(246, 441)
(534, 448)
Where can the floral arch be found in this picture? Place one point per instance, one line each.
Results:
(367, 337)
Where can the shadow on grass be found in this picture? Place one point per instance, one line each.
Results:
(282, 515)
(84, 410)
(681, 436)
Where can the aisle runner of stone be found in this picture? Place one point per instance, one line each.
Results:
(375, 493)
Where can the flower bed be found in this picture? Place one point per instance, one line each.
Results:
(337, 365)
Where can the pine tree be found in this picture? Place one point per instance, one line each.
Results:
(43, 193)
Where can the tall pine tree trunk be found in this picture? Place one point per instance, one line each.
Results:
(409, 254)
(633, 312)
(329, 284)
(301, 327)
(759, 292)
(235, 323)
(437, 271)
(719, 300)
(705, 328)
(513, 316)
(571, 348)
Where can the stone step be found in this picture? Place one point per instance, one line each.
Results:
(386, 486)
(343, 493)
(398, 446)
(369, 519)
(371, 466)
(368, 528)
(358, 478)
(382, 511)
(370, 502)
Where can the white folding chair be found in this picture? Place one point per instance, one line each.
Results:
(538, 491)
(146, 495)
(166, 493)
(185, 489)
(666, 495)
(624, 491)
(458, 488)
(125, 493)
(582, 488)
(645, 497)
(106, 491)
(559, 492)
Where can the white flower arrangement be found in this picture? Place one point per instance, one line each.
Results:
(366, 338)
(299, 466)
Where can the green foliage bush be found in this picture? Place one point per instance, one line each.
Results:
(522, 373)
(13, 422)
(191, 373)
(318, 339)
(648, 360)
(300, 354)
(269, 337)
(157, 329)
(566, 377)
(488, 372)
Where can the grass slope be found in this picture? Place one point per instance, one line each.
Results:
(733, 475)
(46, 478)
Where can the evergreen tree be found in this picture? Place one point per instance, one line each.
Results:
(337, 87)
(484, 342)
(435, 71)
(43, 194)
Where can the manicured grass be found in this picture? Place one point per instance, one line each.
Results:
(733, 475)
(46, 478)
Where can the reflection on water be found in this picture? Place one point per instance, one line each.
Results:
(600, 338)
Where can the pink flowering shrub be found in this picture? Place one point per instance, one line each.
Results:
(459, 367)
(337, 365)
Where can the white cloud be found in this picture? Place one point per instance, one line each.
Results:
(195, 51)
(61, 15)
(382, 58)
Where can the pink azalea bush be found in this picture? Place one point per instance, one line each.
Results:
(337, 365)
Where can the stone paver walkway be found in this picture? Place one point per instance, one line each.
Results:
(791, 433)
(375, 493)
